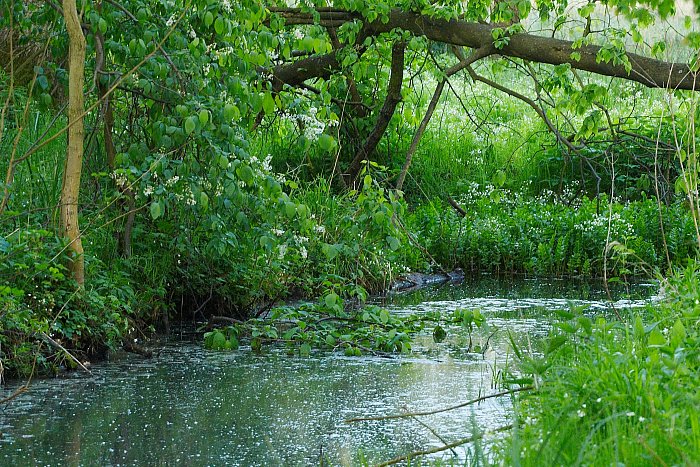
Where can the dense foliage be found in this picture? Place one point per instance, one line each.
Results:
(506, 232)
(243, 154)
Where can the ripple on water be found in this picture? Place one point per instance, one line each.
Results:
(190, 406)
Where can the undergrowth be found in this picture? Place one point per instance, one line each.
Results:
(613, 392)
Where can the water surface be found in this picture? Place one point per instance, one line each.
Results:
(189, 406)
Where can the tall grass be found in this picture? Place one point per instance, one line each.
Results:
(616, 392)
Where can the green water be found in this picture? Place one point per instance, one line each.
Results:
(188, 406)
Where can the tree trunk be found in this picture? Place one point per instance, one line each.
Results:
(70, 190)
(419, 133)
(393, 97)
(111, 150)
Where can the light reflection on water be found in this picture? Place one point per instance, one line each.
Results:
(193, 407)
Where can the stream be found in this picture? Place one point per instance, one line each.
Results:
(189, 406)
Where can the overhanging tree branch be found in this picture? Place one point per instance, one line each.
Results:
(463, 63)
(645, 70)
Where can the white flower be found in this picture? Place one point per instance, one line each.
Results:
(171, 20)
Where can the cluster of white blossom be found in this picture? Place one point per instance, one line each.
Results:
(619, 227)
(118, 177)
(171, 21)
(226, 6)
(311, 126)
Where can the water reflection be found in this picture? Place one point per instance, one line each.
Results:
(192, 407)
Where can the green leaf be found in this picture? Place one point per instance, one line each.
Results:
(208, 18)
(290, 209)
(203, 117)
(190, 125)
(677, 333)
(268, 103)
(514, 346)
(42, 81)
(326, 142)
(555, 342)
(384, 316)
(393, 242)
(156, 210)
(656, 338)
(331, 299)
(500, 178)
(219, 25)
(439, 334)
(246, 174)
(331, 251)
(204, 200)
(680, 185)
(231, 112)
(218, 340)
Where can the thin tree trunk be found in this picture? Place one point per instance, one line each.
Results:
(111, 150)
(419, 133)
(70, 190)
(464, 62)
(393, 98)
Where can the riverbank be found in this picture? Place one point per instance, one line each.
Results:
(334, 252)
(614, 391)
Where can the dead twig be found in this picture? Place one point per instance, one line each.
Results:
(446, 409)
(55, 344)
(426, 452)
(20, 390)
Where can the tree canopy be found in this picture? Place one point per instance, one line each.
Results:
(180, 87)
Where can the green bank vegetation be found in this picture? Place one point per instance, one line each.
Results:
(207, 161)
